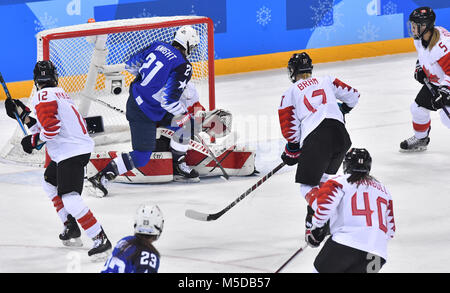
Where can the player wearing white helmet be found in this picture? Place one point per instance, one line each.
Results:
(136, 254)
(187, 37)
(162, 73)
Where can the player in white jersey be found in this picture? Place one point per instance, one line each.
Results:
(312, 122)
(64, 131)
(361, 219)
(433, 64)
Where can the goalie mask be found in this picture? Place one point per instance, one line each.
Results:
(299, 63)
(188, 38)
(357, 160)
(45, 74)
(148, 220)
(421, 20)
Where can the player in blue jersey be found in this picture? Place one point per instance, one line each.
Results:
(162, 72)
(136, 254)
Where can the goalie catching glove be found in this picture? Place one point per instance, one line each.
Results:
(216, 123)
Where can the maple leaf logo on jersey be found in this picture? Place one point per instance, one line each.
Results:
(431, 77)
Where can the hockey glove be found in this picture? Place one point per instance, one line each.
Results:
(315, 235)
(16, 106)
(344, 108)
(419, 74)
(30, 142)
(443, 97)
(291, 153)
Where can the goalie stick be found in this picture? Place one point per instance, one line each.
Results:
(8, 97)
(211, 217)
(225, 174)
(435, 95)
(291, 258)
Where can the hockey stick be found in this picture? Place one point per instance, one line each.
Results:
(8, 97)
(223, 159)
(435, 95)
(225, 174)
(211, 217)
(292, 257)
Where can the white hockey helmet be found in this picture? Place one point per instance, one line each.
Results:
(188, 38)
(148, 220)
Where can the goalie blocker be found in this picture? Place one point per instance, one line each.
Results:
(237, 161)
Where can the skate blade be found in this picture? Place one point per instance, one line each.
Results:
(100, 257)
(74, 242)
(185, 180)
(414, 150)
(93, 191)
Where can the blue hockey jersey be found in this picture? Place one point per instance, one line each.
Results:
(162, 73)
(128, 261)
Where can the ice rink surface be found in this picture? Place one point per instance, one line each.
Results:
(267, 227)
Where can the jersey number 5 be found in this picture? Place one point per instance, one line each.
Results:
(320, 92)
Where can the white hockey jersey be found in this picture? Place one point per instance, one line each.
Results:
(436, 62)
(60, 124)
(361, 216)
(308, 102)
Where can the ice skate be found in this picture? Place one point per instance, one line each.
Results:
(71, 233)
(101, 249)
(183, 173)
(97, 184)
(414, 144)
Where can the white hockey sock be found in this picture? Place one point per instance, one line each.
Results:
(421, 120)
(121, 167)
(52, 193)
(179, 147)
(78, 209)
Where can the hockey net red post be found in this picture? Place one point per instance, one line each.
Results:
(90, 62)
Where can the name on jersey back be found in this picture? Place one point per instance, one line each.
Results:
(306, 83)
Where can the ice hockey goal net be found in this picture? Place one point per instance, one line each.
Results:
(90, 61)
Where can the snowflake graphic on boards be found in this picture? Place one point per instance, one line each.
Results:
(263, 15)
(145, 13)
(326, 18)
(390, 9)
(368, 33)
(45, 22)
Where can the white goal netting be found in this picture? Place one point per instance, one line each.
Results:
(90, 62)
